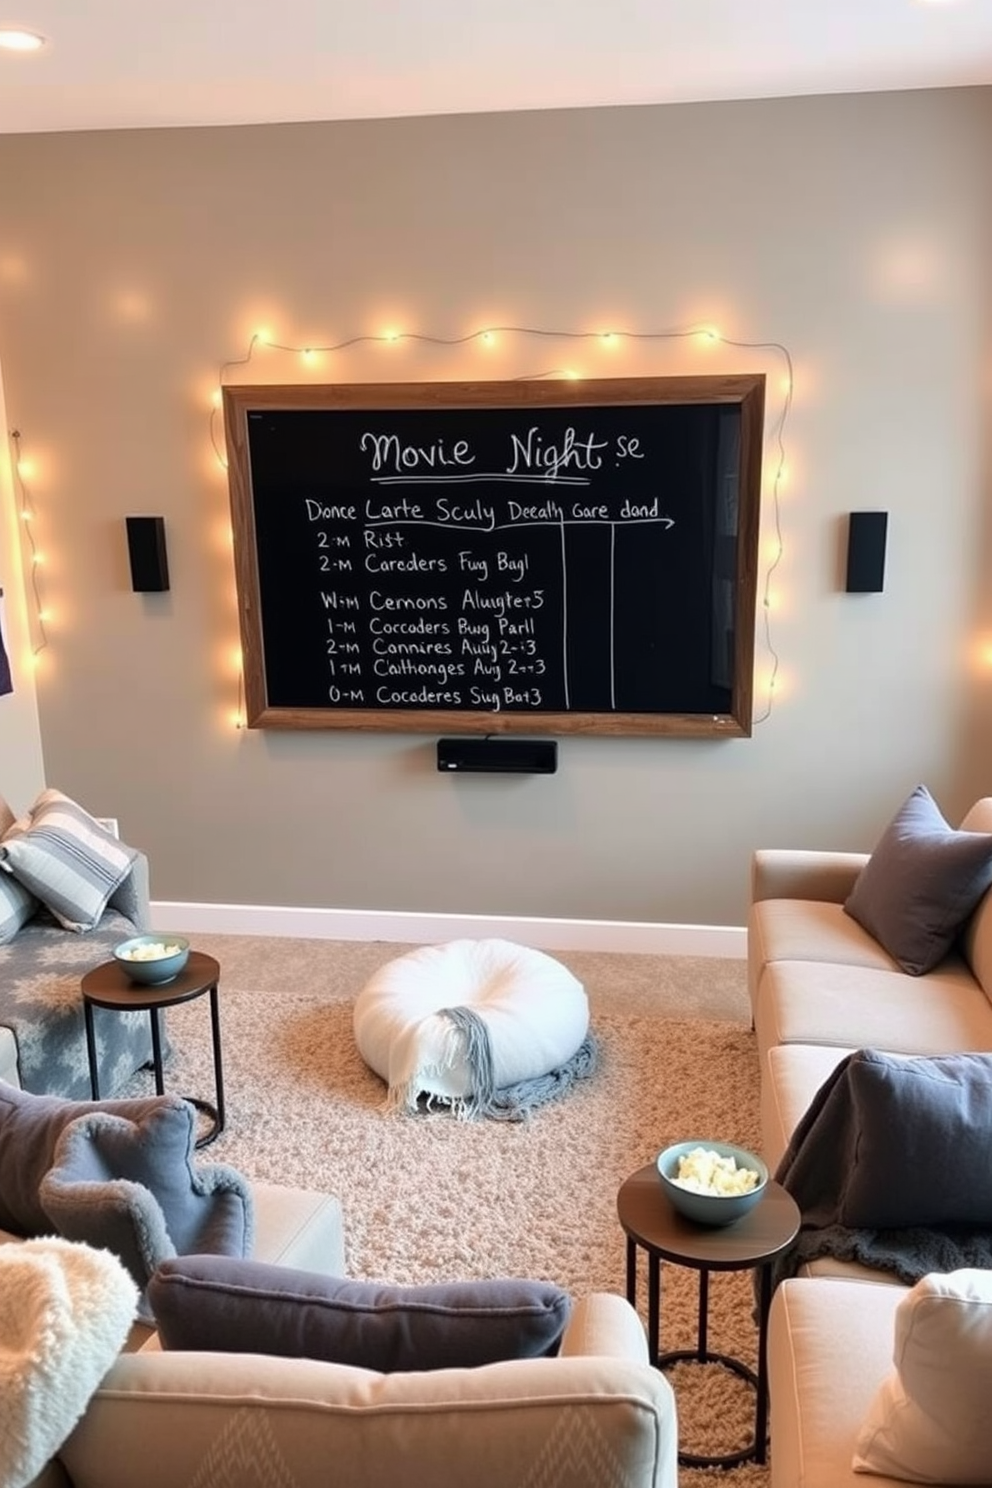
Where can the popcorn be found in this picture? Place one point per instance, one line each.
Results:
(706, 1172)
(153, 951)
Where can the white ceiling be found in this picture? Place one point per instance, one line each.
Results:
(117, 64)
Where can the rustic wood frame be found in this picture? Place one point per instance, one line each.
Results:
(747, 390)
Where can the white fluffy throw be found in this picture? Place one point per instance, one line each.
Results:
(65, 1313)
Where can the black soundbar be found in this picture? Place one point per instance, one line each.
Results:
(504, 756)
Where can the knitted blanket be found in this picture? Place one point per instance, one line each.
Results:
(891, 1166)
(511, 1102)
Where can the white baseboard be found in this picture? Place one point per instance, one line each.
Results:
(431, 929)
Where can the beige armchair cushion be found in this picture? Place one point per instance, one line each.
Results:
(566, 1422)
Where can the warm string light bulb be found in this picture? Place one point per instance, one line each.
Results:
(23, 470)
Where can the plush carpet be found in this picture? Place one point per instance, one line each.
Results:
(430, 1197)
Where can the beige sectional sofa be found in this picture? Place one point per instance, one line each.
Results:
(820, 988)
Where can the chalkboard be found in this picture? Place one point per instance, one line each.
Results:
(513, 557)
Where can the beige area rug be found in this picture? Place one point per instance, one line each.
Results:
(433, 1198)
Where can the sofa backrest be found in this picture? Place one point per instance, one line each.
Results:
(566, 1422)
(977, 938)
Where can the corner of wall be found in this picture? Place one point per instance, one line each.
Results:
(23, 772)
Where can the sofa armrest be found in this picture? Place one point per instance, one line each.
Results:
(791, 873)
(605, 1325)
(185, 1416)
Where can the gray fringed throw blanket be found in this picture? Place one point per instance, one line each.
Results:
(511, 1102)
(891, 1166)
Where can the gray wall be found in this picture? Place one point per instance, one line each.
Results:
(852, 230)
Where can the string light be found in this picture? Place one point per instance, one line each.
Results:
(22, 470)
(703, 335)
(239, 716)
(778, 438)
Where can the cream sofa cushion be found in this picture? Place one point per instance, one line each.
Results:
(830, 1347)
(928, 1421)
(808, 1002)
(298, 1227)
(813, 930)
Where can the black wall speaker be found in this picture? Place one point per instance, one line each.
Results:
(146, 549)
(866, 552)
(504, 756)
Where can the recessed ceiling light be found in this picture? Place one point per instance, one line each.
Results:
(12, 40)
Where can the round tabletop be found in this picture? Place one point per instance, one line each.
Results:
(649, 1218)
(109, 986)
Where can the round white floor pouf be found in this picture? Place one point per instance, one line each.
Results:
(535, 1011)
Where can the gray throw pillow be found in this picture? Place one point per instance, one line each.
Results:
(30, 1127)
(920, 884)
(118, 1175)
(207, 1302)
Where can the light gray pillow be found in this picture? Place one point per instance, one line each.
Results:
(64, 857)
(920, 884)
(17, 905)
(210, 1302)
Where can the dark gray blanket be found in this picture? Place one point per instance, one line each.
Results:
(891, 1165)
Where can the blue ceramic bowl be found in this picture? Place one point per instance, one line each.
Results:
(152, 971)
(710, 1208)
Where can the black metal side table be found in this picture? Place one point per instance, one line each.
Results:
(109, 986)
(751, 1243)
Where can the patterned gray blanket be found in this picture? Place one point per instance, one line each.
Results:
(40, 1001)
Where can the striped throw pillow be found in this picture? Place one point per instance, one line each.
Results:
(66, 859)
(17, 905)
